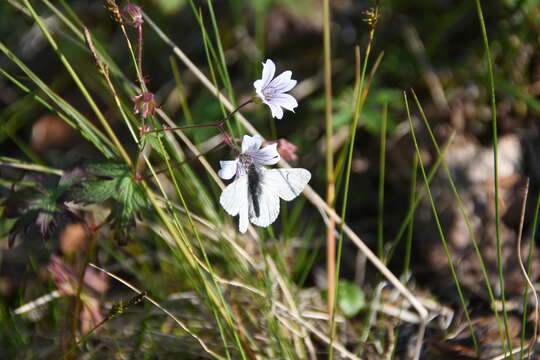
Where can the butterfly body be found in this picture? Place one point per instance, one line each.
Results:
(254, 187)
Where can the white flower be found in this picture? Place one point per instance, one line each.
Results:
(251, 154)
(255, 192)
(272, 90)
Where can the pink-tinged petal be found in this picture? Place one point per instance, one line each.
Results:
(286, 101)
(283, 82)
(228, 169)
(269, 69)
(251, 143)
(268, 155)
(277, 111)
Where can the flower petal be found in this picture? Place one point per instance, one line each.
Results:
(268, 155)
(283, 82)
(285, 100)
(259, 90)
(258, 85)
(277, 111)
(251, 144)
(269, 70)
(228, 169)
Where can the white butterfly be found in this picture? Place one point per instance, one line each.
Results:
(254, 194)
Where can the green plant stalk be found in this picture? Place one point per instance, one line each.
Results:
(382, 165)
(338, 168)
(15, 115)
(210, 54)
(412, 208)
(188, 253)
(329, 156)
(495, 171)
(359, 102)
(222, 63)
(16, 163)
(27, 150)
(440, 230)
(530, 258)
(182, 245)
(261, 7)
(99, 48)
(463, 212)
(222, 306)
(371, 313)
(88, 130)
(205, 256)
(278, 341)
(183, 100)
(79, 84)
(104, 72)
(410, 213)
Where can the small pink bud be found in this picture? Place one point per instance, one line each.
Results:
(132, 15)
(144, 129)
(228, 139)
(145, 104)
(287, 150)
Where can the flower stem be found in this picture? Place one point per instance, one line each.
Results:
(330, 184)
(218, 124)
(139, 55)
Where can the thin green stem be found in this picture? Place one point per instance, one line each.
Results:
(410, 228)
(495, 172)
(359, 102)
(382, 165)
(207, 261)
(419, 197)
(465, 216)
(218, 124)
(79, 84)
(332, 280)
(440, 230)
(530, 258)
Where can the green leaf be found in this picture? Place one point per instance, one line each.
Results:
(68, 179)
(96, 191)
(130, 199)
(350, 298)
(153, 140)
(108, 169)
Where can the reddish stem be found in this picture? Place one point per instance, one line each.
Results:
(139, 53)
(218, 124)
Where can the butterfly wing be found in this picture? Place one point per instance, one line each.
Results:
(268, 204)
(234, 200)
(277, 183)
(287, 183)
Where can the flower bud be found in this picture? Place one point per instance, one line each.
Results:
(145, 104)
(132, 15)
